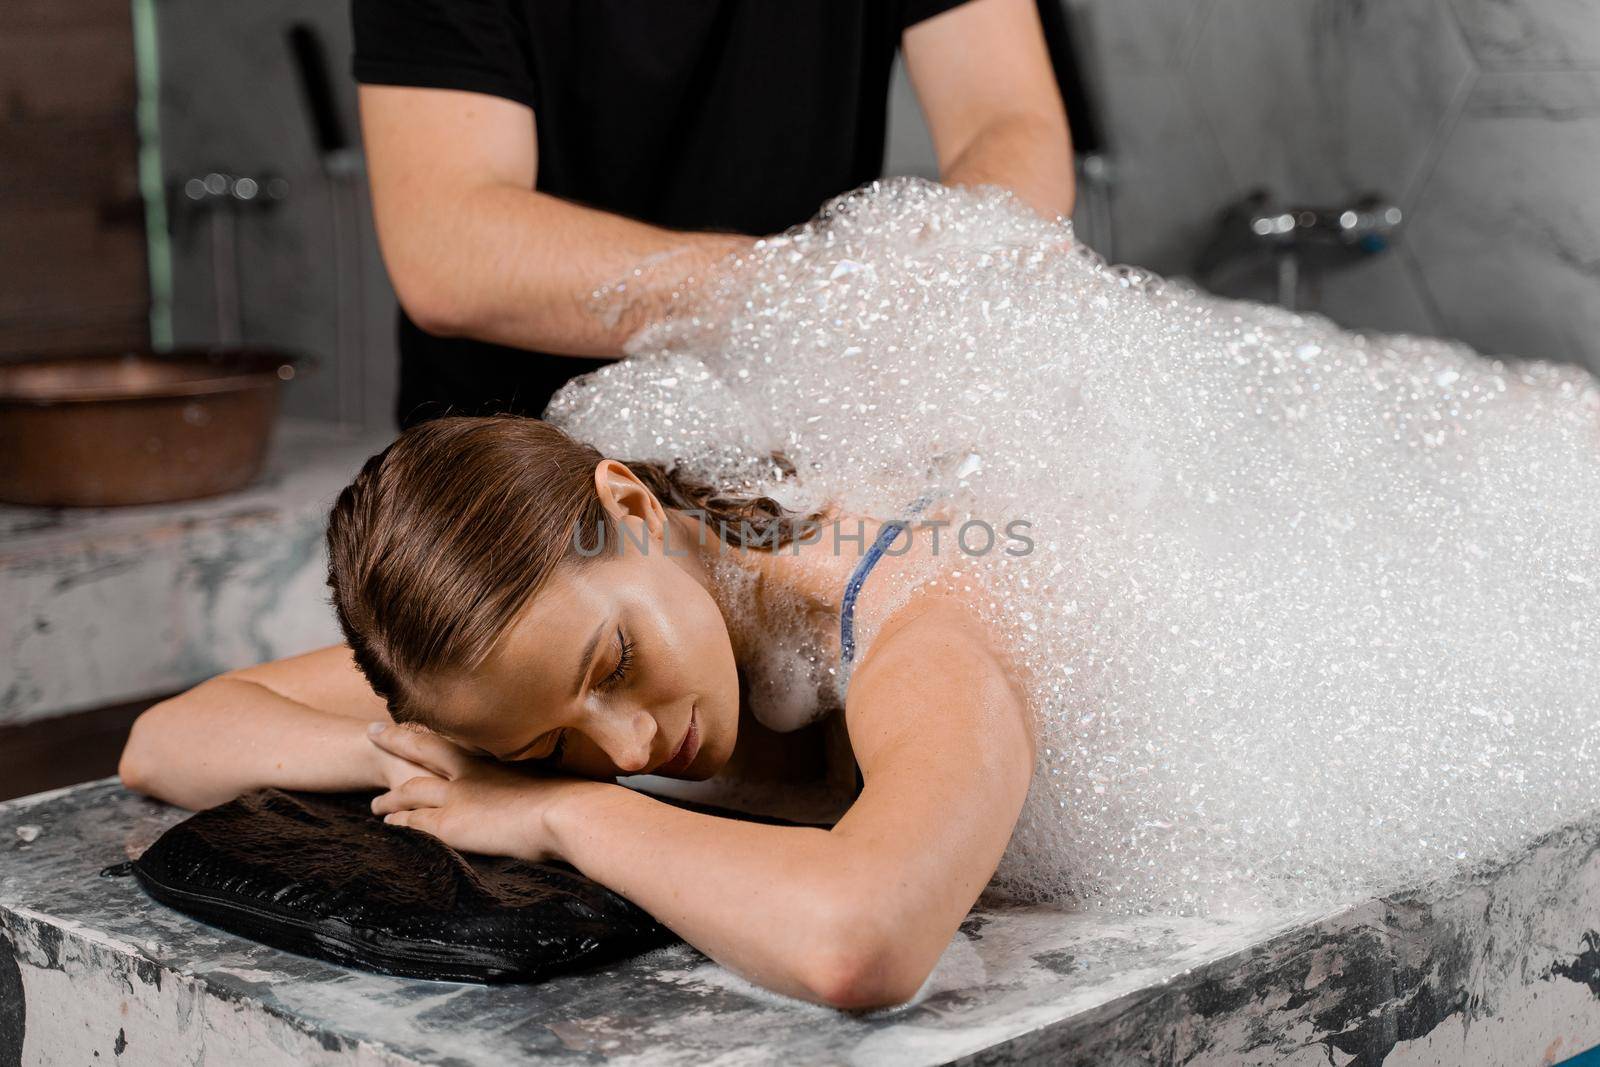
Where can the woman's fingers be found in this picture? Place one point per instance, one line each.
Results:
(423, 819)
(396, 770)
(420, 746)
(422, 792)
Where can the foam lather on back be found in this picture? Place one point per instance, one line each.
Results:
(1302, 614)
(320, 876)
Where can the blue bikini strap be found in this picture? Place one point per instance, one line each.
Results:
(847, 606)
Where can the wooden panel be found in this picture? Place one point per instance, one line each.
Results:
(91, 161)
(57, 72)
(63, 14)
(72, 249)
(81, 330)
(60, 258)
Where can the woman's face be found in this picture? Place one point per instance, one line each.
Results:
(603, 670)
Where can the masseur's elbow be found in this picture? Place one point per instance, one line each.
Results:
(436, 291)
(433, 307)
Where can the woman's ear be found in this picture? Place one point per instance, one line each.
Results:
(624, 496)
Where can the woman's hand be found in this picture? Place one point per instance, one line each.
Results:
(469, 803)
(390, 771)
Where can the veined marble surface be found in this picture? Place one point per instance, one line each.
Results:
(103, 605)
(1498, 966)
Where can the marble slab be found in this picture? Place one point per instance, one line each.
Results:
(1498, 966)
(105, 605)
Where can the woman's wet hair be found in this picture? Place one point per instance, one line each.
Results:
(445, 535)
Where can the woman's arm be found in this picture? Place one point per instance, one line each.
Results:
(853, 917)
(866, 908)
(295, 723)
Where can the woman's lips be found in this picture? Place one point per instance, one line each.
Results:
(687, 749)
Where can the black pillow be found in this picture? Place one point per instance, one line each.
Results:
(319, 875)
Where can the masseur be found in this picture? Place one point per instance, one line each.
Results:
(524, 154)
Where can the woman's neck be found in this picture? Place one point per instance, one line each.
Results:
(753, 584)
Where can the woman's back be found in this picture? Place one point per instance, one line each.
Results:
(1298, 611)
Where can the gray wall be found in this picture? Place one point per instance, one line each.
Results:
(1481, 118)
(230, 101)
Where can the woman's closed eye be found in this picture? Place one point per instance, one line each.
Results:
(619, 673)
(551, 760)
(617, 676)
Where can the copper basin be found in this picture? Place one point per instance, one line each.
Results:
(105, 429)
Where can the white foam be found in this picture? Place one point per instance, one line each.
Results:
(1308, 612)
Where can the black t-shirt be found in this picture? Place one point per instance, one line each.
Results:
(733, 115)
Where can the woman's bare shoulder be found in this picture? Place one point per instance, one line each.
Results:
(927, 615)
(935, 650)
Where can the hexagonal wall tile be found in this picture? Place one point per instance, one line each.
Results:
(1323, 101)
(1137, 36)
(1532, 33)
(1378, 294)
(1507, 227)
(1170, 180)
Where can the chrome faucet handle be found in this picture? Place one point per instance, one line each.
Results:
(1366, 225)
(217, 187)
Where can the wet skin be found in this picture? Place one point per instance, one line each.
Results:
(600, 673)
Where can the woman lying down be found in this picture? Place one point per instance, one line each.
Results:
(1131, 598)
(524, 679)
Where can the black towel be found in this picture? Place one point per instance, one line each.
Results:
(319, 875)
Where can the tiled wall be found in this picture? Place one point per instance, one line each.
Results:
(1480, 118)
(230, 101)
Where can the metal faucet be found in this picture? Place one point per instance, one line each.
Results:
(1296, 238)
(220, 197)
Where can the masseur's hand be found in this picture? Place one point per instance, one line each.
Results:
(469, 803)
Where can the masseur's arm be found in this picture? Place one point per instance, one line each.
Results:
(474, 251)
(855, 916)
(982, 74)
(295, 723)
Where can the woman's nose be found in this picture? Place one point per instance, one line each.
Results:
(626, 736)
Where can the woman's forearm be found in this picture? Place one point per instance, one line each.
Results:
(227, 736)
(765, 901)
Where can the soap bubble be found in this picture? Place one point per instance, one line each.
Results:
(1310, 613)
